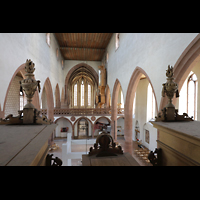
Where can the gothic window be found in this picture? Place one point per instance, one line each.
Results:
(75, 94)
(192, 96)
(22, 100)
(82, 93)
(134, 103)
(150, 103)
(48, 38)
(89, 95)
(117, 41)
(122, 100)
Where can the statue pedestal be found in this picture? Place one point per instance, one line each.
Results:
(28, 115)
(170, 113)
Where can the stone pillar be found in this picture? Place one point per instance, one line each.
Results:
(72, 131)
(128, 133)
(50, 114)
(114, 123)
(92, 129)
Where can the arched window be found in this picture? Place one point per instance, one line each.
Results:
(81, 88)
(21, 106)
(122, 100)
(23, 100)
(134, 103)
(89, 95)
(75, 94)
(150, 103)
(82, 93)
(192, 96)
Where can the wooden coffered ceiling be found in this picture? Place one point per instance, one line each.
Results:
(83, 46)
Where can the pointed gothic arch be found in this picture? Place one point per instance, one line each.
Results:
(72, 72)
(114, 109)
(128, 107)
(35, 99)
(88, 120)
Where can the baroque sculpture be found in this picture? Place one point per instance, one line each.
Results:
(30, 114)
(169, 113)
(105, 146)
(29, 85)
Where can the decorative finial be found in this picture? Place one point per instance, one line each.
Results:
(29, 68)
(169, 113)
(169, 72)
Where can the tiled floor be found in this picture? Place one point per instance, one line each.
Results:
(83, 148)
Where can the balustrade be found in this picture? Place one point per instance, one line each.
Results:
(82, 111)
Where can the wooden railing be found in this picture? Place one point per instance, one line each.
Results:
(87, 111)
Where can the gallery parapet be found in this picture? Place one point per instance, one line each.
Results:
(86, 111)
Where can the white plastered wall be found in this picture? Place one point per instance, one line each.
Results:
(152, 52)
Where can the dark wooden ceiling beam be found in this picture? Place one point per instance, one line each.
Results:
(80, 48)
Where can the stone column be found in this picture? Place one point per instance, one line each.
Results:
(114, 123)
(128, 133)
(92, 129)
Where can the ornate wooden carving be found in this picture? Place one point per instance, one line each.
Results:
(105, 146)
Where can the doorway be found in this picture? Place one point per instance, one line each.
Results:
(82, 128)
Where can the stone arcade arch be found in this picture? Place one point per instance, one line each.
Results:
(72, 127)
(128, 107)
(183, 66)
(114, 109)
(35, 99)
(88, 120)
